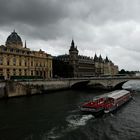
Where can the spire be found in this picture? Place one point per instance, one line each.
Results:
(73, 48)
(95, 58)
(72, 43)
(25, 44)
(14, 31)
(100, 58)
(106, 59)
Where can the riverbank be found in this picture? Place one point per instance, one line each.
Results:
(10, 89)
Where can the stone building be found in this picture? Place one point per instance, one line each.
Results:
(83, 66)
(104, 67)
(17, 60)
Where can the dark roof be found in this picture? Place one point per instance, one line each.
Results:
(100, 58)
(73, 47)
(96, 59)
(14, 38)
(72, 43)
(106, 60)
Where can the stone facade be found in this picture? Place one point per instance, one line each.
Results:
(16, 60)
(86, 66)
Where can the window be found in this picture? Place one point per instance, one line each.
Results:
(31, 63)
(11, 50)
(25, 72)
(1, 72)
(5, 49)
(14, 72)
(36, 73)
(1, 61)
(32, 72)
(14, 61)
(17, 51)
(19, 62)
(20, 73)
(8, 62)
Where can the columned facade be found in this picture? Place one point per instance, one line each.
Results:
(19, 61)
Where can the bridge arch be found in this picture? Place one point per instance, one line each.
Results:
(98, 86)
(120, 84)
(81, 84)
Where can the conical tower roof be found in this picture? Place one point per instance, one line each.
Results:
(100, 58)
(106, 59)
(96, 59)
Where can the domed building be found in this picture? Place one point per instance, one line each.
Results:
(17, 61)
(14, 40)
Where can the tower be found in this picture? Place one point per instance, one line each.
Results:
(73, 58)
(101, 65)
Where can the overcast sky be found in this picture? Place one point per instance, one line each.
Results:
(107, 27)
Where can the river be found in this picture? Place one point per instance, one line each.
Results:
(57, 116)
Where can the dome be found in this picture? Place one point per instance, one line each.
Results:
(14, 40)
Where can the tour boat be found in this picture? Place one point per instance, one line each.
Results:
(95, 106)
(107, 102)
(115, 99)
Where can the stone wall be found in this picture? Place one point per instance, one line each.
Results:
(14, 89)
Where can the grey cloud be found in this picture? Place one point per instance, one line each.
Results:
(33, 12)
(96, 25)
(46, 17)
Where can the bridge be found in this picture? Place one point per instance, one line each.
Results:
(19, 88)
(109, 83)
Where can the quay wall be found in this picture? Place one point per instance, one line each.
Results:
(14, 89)
(48, 85)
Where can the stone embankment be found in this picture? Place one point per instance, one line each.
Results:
(18, 88)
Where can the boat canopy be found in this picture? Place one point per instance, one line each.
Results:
(117, 94)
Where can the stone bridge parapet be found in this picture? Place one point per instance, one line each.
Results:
(20, 88)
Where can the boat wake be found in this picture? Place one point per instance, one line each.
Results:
(53, 134)
(74, 121)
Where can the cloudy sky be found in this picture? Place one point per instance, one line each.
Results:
(107, 27)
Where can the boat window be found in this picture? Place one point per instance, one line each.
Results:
(109, 100)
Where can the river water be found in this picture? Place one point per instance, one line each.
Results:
(57, 116)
